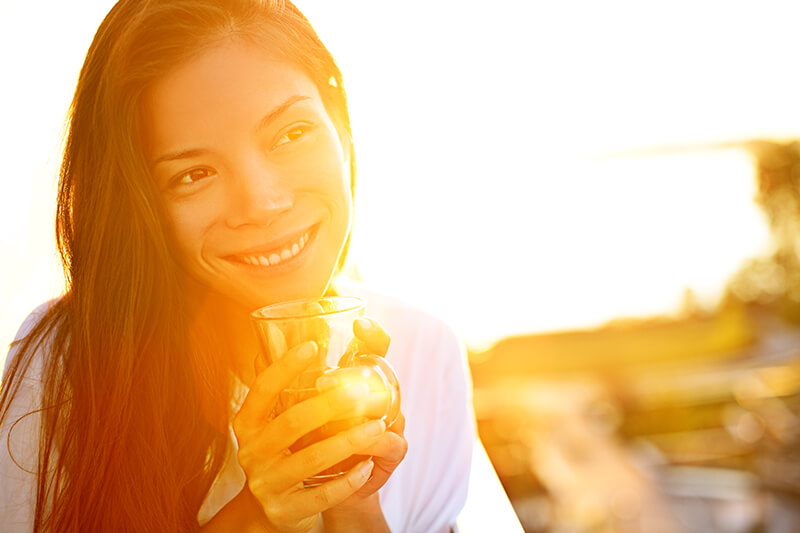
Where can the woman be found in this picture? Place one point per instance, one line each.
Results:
(208, 171)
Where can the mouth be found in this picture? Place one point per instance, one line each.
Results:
(283, 253)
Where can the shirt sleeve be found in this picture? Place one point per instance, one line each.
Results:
(19, 440)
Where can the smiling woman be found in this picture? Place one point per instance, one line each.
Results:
(208, 171)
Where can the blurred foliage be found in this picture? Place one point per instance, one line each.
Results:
(687, 423)
(774, 281)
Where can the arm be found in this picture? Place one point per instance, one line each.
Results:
(241, 514)
(366, 517)
(19, 437)
(19, 454)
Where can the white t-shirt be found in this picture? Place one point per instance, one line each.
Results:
(424, 494)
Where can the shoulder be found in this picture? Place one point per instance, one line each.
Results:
(24, 331)
(20, 422)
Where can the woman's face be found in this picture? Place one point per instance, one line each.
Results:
(252, 172)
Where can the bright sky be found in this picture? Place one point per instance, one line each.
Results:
(476, 124)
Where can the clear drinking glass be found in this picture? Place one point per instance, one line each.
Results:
(328, 321)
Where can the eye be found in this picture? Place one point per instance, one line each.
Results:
(192, 176)
(292, 134)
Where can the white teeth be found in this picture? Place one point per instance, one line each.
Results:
(275, 258)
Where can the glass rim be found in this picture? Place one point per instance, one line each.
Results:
(355, 303)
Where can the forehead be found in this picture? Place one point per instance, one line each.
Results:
(231, 85)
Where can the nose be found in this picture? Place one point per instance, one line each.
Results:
(258, 193)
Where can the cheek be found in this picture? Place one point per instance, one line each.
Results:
(189, 224)
(324, 165)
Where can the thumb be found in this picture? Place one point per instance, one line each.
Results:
(372, 335)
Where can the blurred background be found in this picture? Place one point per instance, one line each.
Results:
(603, 200)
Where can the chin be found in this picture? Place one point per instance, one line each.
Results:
(252, 301)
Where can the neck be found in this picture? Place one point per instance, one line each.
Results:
(232, 321)
(245, 348)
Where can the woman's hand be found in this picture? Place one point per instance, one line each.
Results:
(274, 475)
(361, 511)
(387, 451)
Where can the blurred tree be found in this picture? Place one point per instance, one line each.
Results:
(774, 281)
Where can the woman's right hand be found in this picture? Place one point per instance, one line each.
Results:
(274, 475)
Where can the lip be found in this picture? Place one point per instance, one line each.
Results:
(274, 244)
(271, 246)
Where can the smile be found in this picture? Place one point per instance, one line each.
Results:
(276, 255)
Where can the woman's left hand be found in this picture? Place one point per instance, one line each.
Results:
(390, 449)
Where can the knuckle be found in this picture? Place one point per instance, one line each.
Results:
(403, 449)
(353, 438)
(273, 510)
(255, 485)
(402, 445)
(396, 447)
(356, 437)
(311, 458)
(324, 498)
(243, 457)
(261, 385)
(293, 420)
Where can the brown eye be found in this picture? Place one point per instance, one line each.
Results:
(290, 135)
(193, 176)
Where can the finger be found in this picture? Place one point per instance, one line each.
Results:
(313, 327)
(275, 341)
(313, 308)
(306, 416)
(259, 364)
(372, 334)
(303, 328)
(387, 450)
(265, 391)
(387, 454)
(318, 499)
(327, 453)
(399, 425)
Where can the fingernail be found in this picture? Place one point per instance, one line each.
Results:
(363, 323)
(365, 468)
(374, 428)
(357, 390)
(326, 383)
(307, 350)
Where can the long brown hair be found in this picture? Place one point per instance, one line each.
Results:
(137, 390)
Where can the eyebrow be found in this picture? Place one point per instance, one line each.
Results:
(275, 113)
(263, 123)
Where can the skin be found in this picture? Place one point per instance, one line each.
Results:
(247, 160)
